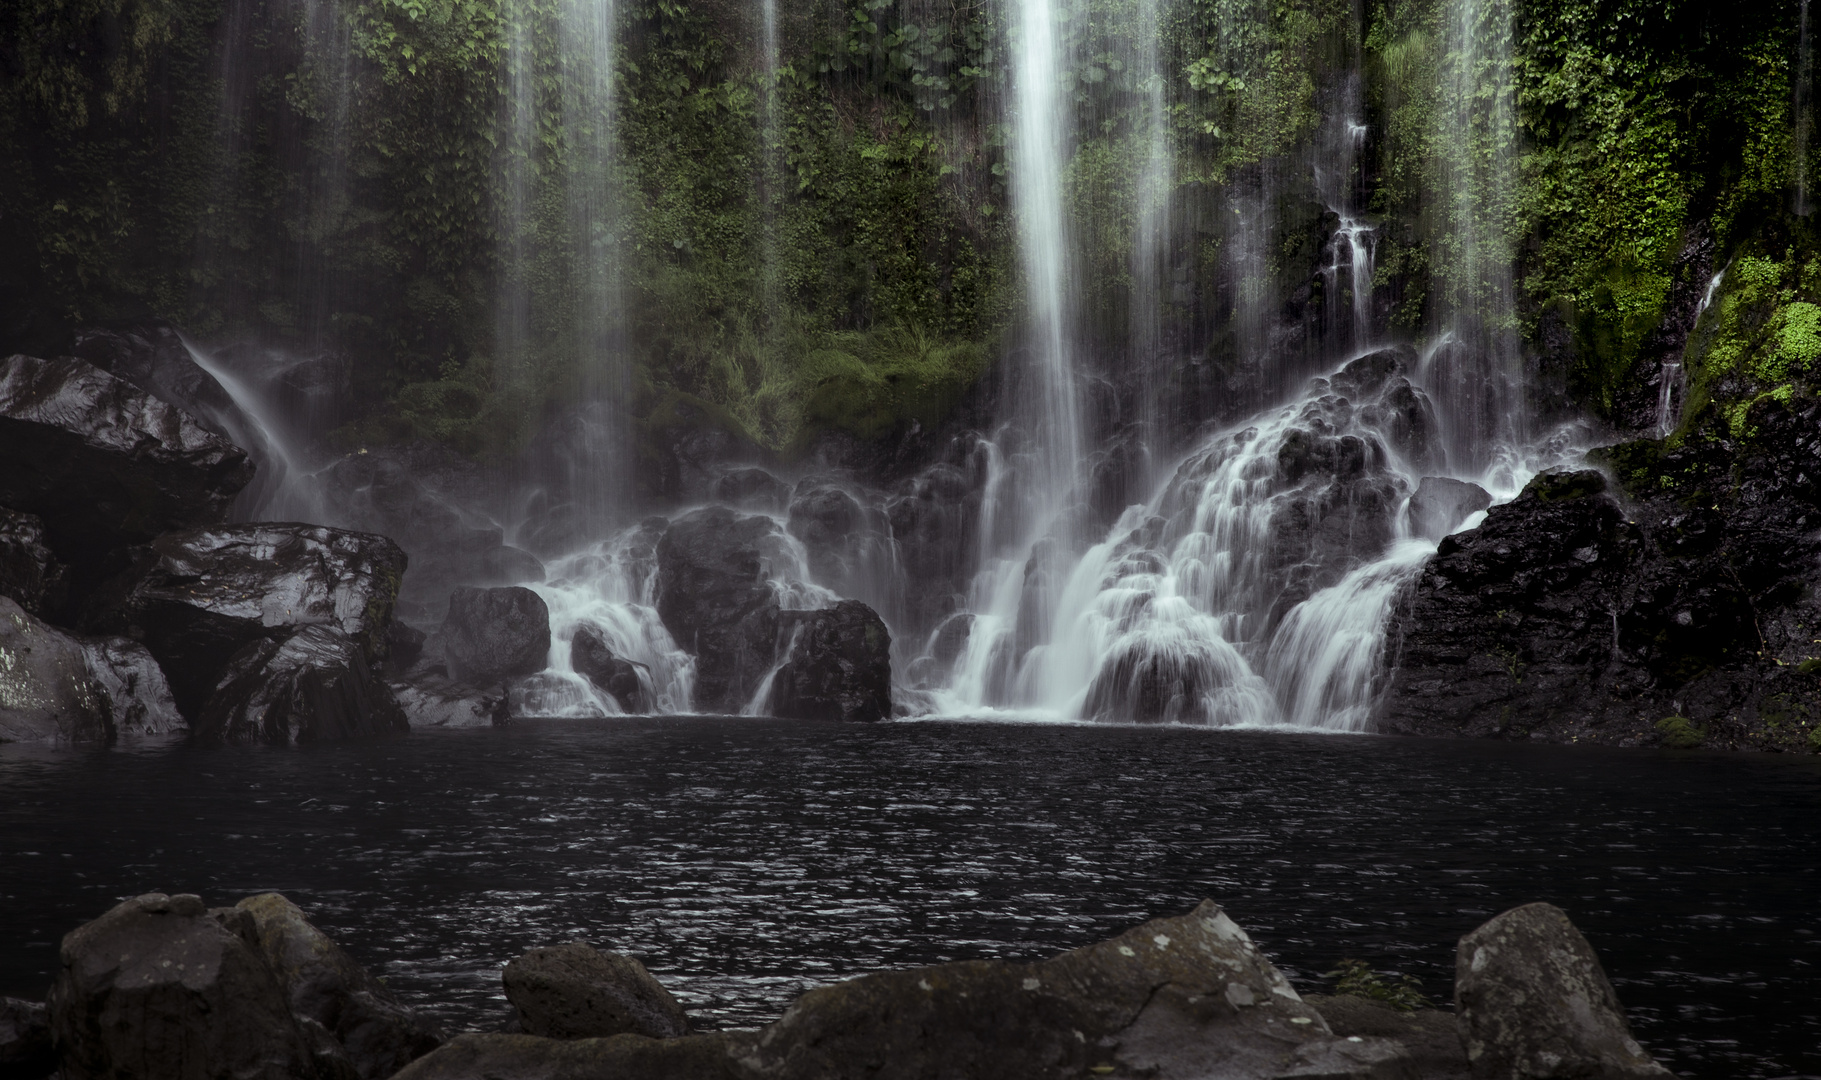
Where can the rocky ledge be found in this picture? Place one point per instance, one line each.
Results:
(166, 987)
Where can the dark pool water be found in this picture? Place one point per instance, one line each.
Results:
(748, 859)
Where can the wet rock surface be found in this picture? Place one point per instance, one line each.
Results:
(1430, 1037)
(716, 599)
(575, 991)
(838, 666)
(316, 685)
(25, 1040)
(46, 690)
(104, 463)
(1439, 505)
(29, 573)
(160, 987)
(495, 634)
(616, 676)
(753, 490)
(531, 1057)
(139, 699)
(1533, 1002)
(198, 598)
(1671, 608)
(377, 1034)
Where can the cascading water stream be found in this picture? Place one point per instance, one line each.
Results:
(1672, 381)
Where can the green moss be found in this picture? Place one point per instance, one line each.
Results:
(1681, 733)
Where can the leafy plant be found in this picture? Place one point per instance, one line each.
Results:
(1681, 733)
(1356, 977)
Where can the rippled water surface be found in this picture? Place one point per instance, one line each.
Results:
(748, 859)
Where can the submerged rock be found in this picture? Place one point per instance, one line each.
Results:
(617, 676)
(160, 987)
(29, 573)
(46, 689)
(138, 697)
(314, 686)
(104, 463)
(716, 599)
(197, 599)
(495, 634)
(838, 667)
(575, 991)
(26, 1052)
(376, 1032)
(1534, 1004)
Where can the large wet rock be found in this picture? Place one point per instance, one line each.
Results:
(138, 696)
(197, 599)
(315, 685)
(1600, 605)
(491, 635)
(593, 659)
(29, 573)
(839, 665)
(26, 1052)
(1534, 1004)
(753, 490)
(1429, 1036)
(46, 689)
(378, 1034)
(104, 463)
(160, 987)
(575, 991)
(716, 599)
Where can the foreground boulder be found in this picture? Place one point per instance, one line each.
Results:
(198, 598)
(1174, 998)
(495, 634)
(575, 991)
(104, 463)
(593, 659)
(716, 599)
(313, 686)
(839, 666)
(46, 689)
(1533, 1003)
(25, 1040)
(162, 987)
(377, 1033)
(1439, 505)
(29, 573)
(1429, 1036)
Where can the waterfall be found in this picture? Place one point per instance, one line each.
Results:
(1672, 381)
(517, 167)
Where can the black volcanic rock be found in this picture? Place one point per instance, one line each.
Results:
(575, 991)
(1585, 610)
(1533, 1001)
(752, 489)
(593, 659)
(315, 685)
(26, 1052)
(378, 1034)
(159, 988)
(46, 689)
(29, 573)
(495, 634)
(198, 598)
(104, 463)
(839, 665)
(716, 599)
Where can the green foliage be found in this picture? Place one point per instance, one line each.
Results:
(1681, 733)
(1356, 977)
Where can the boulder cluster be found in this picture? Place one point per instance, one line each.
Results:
(165, 987)
(133, 602)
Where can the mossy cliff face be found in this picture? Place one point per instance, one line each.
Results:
(496, 220)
